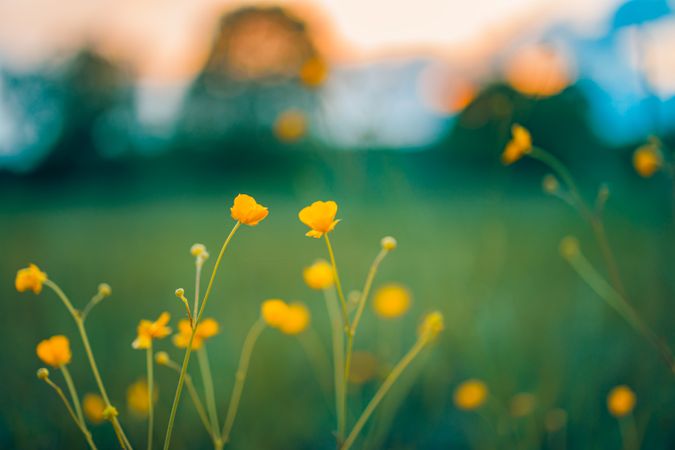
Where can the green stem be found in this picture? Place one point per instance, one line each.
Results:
(382, 391)
(240, 377)
(196, 401)
(73, 394)
(188, 350)
(95, 300)
(124, 442)
(629, 433)
(338, 284)
(209, 392)
(620, 305)
(80, 425)
(151, 387)
(338, 360)
(362, 304)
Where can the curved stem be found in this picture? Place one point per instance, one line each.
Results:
(620, 305)
(95, 300)
(338, 284)
(209, 392)
(196, 401)
(338, 360)
(382, 391)
(151, 388)
(124, 442)
(188, 350)
(240, 377)
(80, 425)
(73, 394)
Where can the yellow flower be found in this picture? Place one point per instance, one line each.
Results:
(207, 328)
(290, 126)
(54, 351)
(93, 407)
(137, 398)
(431, 325)
(320, 217)
(274, 311)
(30, 278)
(647, 160)
(319, 275)
(518, 146)
(247, 211)
(470, 395)
(313, 72)
(147, 331)
(621, 401)
(391, 301)
(296, 319)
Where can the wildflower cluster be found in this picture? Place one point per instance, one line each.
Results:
(193, 333)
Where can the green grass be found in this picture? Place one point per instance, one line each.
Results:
(517, 315)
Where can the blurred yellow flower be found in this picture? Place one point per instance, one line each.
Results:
(93, 407)
(550, 184)
(621, 401)
(569, 247)
(290, 126)
(147, 331)
(313, 72)
(137, 398)
(364, 367)
(470, 395)
(647, 160)
(518, 146)
(522, 404)
(207, 328)
(274, 311)
(320, 217)
(431, 325)
(54, 351)
(296, 319)
(391, 301)
(319, 275)
(30, 278)
(555, 420)
(247, 211)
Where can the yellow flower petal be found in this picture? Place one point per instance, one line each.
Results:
(247, 211)
(54, 351)
(30, 278)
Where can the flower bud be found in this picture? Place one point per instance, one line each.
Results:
(104, 290)
(110, 412)
(162, 358)
(180, 293)
(569, 247)
(198, 250)
(43, 373)
(550, 184)
(388, 243)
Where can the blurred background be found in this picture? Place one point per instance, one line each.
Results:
(127, 128)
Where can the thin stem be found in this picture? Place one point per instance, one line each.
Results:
(629, 433)
(196, 401)
(338, 284)
(124, 442)
(79, 424)
(338, 360)
(199, 263)
(359, 311)
(95, 300)
(593, 219)
(151, 387)
(240, 377)
(188, 350)
(382, 391)
(620, 305)
(209, 392)
(73, 394)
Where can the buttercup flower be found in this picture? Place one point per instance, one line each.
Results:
(391, 300)
(621, 401)
(147, 331)
(30, 278)
(274, 312)
(93, 407)
(470, 395)
(518, 146)
(137, 398)
(295, 320)
(54, 351)
(319, 275)
(431, 326)
(320, 217)
(647, 160)
(247, 211)
(207, 328)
